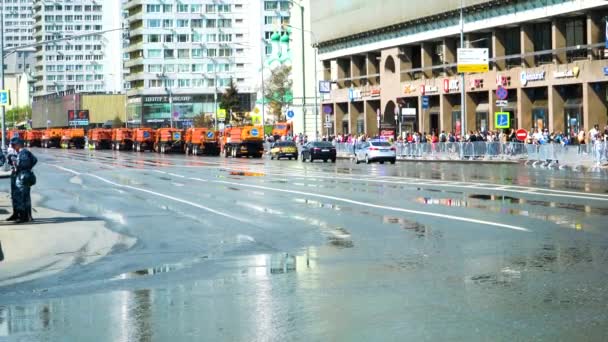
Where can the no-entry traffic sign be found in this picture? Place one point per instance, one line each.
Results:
(521, 134)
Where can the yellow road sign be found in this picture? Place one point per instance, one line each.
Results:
(466, 68)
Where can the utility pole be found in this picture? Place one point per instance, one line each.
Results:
(463, 103)
(303, 72)
(2, 76)
(263, 50)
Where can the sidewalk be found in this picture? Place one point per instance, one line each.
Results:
(343, 155)
(52, 243)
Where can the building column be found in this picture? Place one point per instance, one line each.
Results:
(355, 70)
(594, 35)
(353, 117)
(524, 109)
(527, 46)
(492, 109)
(339, 116)
(556, 110)
(445, 115)
(371, 122)
(423, 113)
(405, 62)
(471, 110)
(427, 59)
(558, 40)
(449, 53)
(373, 68)
(498, 49)
(594, 108)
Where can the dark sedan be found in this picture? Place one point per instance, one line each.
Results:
(319, 150)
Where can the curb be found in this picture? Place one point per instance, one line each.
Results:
(454, 161)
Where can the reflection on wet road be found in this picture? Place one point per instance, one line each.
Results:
(260, 250)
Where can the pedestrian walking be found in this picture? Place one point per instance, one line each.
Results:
(22, 179)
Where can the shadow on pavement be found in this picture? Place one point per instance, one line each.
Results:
(54, 220)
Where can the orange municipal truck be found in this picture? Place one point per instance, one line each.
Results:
(202, 141)
(122, 139)
(143, 139)
(169, 140)
(100, 138)
(282, 129)
(72, 137)
(33, 138)
(245, 141)
(52, 137)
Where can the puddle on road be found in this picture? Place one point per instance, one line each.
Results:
(419, 229)
(564, 220)
(165, 268)
(340, 238)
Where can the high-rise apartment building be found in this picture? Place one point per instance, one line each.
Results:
(89, 63)
(183, 54)
(18, 28)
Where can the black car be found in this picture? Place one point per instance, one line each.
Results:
(319, 150)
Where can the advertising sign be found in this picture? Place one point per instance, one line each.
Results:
(78, 117)
(473, 60)
(5, 98)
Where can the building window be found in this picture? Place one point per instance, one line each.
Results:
(182, 23)
(154, 38)
(575, 35)
(183, 68)
(153, 8)
(154, 53)
(196, 8)
(182, 38)
(513, 45)
(542, 41)
(169, 53)
(210, 8)
(167, 8)
(182, 8)
(197, 53)
(167, 23)
(271, 5)
(224, 23)
(155, 68)
(183, 53)
(153, 23)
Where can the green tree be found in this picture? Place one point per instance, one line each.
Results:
(117, 123)
(18, 114)
(230, 102)
(278, 90)
(203, 121)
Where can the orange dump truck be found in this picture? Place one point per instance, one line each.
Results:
(33, 138)
(143, 139)
(169, 140)
(245, 141)
(202, 141)
(282, 129)
(52, 137)
(122, 139)
(100, 138)
(16, 133)
(72, 137)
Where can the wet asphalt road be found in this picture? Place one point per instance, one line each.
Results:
(260, 250)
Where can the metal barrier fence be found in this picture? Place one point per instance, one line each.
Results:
(549, 155)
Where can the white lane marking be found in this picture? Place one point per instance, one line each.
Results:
(415, 212)
(66, 170)
(170, 198)
(408, 181)
(176, 175)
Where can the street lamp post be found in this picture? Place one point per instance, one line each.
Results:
(315, 46)
(168, 90)
(2, 76)
(463, 104)
(303, 64)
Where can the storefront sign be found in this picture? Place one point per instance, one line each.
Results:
(165, 99)
(567, 73)
(526, 77)
(450, 85)
(374, 92)
(476, 83)
(408, 111)
(410, 89)
(429, 89)
(502, 80)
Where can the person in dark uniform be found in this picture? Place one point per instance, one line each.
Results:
(22, 178)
